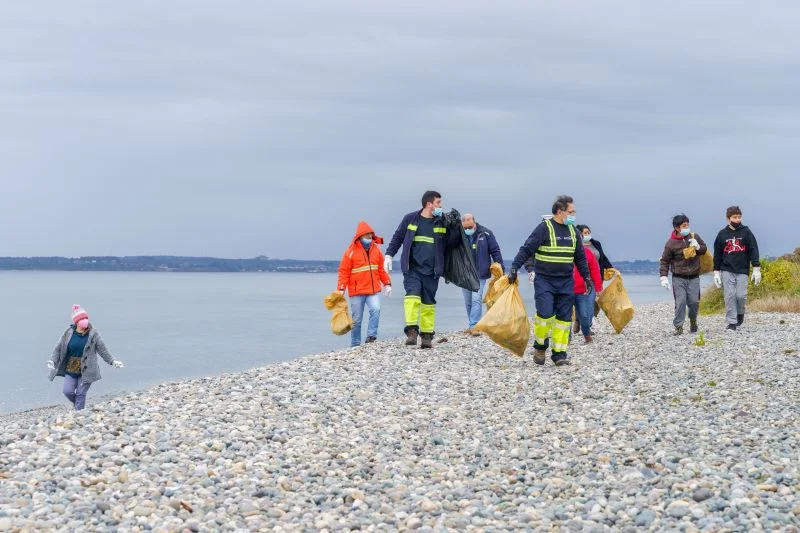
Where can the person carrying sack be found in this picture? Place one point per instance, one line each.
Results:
(682, 256)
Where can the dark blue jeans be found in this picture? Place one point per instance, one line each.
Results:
(75, 390)
(584, 311)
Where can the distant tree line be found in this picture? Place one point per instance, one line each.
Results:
(168, 263)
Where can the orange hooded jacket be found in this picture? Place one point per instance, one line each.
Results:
(361, 271)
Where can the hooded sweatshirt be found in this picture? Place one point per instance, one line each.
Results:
(673, 258)
(735, 250)
(361, 270)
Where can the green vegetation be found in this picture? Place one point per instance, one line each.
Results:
(779, 290)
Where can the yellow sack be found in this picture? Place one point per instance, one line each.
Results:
(706, 263)
(341, 322)
(506, 323)
(492, 293)
(616, 304)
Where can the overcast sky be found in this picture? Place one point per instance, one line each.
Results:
(236, 129)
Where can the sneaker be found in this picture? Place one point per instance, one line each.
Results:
(588, 339)
(562, 362)
(731, 327)
(411, 337)
(427, 341)
(740, 319)
(370, 339)
(693, 326)
(468, 331)
(475, 333)
(678, 330)
(539, 356)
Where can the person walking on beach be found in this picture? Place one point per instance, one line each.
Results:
(486, 251)
(735, 251)
(425, 242)
(555, 248)
(606, 269)
(362, 274)
(75, 358)
(586, 296)
(682, 256)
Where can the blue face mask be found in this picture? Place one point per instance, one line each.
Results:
(587, 238)
(437, 211)
(470, 232)
(366, 242)
(570, 221)
(686, 231)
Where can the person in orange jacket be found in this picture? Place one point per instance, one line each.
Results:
(362, 274)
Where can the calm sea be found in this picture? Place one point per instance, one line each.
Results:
(171, 326)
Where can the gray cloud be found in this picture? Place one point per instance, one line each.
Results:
(249, 129)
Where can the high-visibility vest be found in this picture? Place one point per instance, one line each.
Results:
(555, 253)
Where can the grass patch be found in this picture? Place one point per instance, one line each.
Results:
(700, 340)
(712, 383)
(779, 291)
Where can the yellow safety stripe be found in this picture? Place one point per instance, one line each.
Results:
(474, 246)
(412, 297)
(561, 325)
(412, 227)
(364, 269)
(553, 259)
(440, 230)
(560, 347)
(419, 238)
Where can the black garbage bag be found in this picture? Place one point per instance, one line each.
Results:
(459, 264)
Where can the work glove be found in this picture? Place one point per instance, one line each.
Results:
(341, 292)
(388, 289)
(665, 282)
(693, 242)
(512, 276)
(117, 364)
(387, 263)
(588, 282)
(51, 365)
(756, 277)
(718, 279)
(531, 277)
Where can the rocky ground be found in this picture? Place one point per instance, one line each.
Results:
(644, 431)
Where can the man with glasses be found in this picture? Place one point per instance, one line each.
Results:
(555, 248)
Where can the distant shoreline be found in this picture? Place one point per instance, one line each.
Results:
(260, 264)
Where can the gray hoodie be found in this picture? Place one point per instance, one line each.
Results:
(95, 346)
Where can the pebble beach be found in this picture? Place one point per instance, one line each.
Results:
(644, 431)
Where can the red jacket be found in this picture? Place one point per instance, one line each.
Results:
(361, 271)
(594, 270)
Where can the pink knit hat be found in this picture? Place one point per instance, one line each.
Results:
(78, 314)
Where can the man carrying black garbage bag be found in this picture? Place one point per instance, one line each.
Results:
(426, 240)
(555, 247)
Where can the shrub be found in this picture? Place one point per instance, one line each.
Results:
(779, 290)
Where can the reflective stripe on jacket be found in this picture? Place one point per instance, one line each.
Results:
(361, 271)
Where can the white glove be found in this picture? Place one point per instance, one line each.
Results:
(665, 282)
(756, 275)
(388, 289)
(51, 365)
(117, 364)
(387, 263)
(341, 292)
(693, 242)
(718, 279)
(531, 277)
